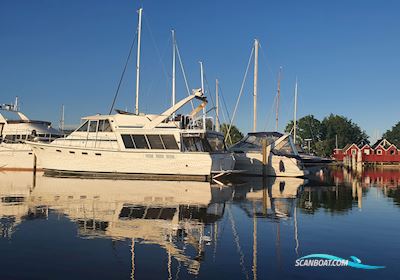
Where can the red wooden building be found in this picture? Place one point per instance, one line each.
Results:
(381, 152)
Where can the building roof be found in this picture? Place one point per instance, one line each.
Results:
(384, 143)
(362, 143)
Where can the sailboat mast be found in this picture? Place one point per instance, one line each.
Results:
(62, 118)
(173, 69)
(216, 106)
(295, 113)
(256, 44)
(202, 90)
(278, 96)
(138, 62)
(16, 104)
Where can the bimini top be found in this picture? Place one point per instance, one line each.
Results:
(274, 134)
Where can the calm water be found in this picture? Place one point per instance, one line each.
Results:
(252, 229)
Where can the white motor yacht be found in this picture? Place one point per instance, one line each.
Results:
(126, 145)
(14, 131)
(283, 159)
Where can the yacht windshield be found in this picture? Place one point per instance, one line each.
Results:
(285, 147)
(254, 142)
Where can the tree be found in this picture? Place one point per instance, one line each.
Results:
(235, 134)
(308, 127)
(393, 134)
(344, 129)
(323, 134)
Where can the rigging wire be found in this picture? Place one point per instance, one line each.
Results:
(240, 93)
(160, 57)
(123, 73)
(224, 103)
(266, 63)
(271, 111)
(227, 120)
(183, 72)
(214, 106)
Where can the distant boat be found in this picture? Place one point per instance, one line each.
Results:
(14, 152)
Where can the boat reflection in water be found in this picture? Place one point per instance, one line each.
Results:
(272, 197)
(171, 215)
(154, 212)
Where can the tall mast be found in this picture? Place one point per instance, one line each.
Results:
(16, 104)
(173, 68)
(202, 90)
(138, 62)
(62, 118)
(295, 113)
(216, 106)
(255, 85)
(278, 96)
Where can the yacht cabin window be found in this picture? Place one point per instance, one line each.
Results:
(93, 126)
(155, 141)
(140, 141)
(169, 142)
(104, 126)
(150, 141)
(84, 127)
(128, 141)
(193, 144)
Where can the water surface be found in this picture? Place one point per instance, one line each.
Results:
(59, 228)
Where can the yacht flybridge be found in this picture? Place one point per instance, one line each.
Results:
(126, 145)
(283, 158)
(14, 131)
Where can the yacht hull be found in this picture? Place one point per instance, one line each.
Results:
(16, 157)
(279, 166)
(72, 161)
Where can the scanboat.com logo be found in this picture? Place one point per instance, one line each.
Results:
(319, 260)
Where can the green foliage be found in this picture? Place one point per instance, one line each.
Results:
(393, 135)
(323, 134)
(235, 134)
(347, 132)
(308, 127)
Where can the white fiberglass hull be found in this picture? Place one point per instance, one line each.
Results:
(61, 159)
(279, 166)
(16, 157)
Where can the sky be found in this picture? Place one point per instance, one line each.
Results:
(345, 54)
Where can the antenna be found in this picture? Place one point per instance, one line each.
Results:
(138, 62)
